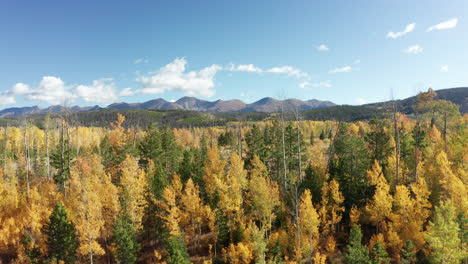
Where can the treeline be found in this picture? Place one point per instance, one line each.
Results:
(139, 118)
(276, 191)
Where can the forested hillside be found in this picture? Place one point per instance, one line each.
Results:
(258, 189)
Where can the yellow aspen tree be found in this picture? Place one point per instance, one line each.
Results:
(319, 258)
(231, 197)
(262, 194)
(453, 188)
(89, 184)
(116, 136)
(331, 208)
(214, 173)
(354, 216)
(410, 212)
(330, 212)
(241, 253)
(10, 230)
(23, 214)
(195, 216)
(171, 212)
(381, 205)
(309, 220)
(133, 190)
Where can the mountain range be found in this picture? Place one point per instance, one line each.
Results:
(326, 109)
(266, 104)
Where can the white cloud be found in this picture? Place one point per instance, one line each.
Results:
(140, 60)
(325, 84)
(322, 48)
(173, 77)
(126, 92)
(7, 99)
(289, 70)
(415, 49)
(20, 89)
(244, 68)
(172, 101)
(444, 68)
(361, 101)
(407, 30)
(53, 90)
(101, 91)
(444, 25)
(343, 69)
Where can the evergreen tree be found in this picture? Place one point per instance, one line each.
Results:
(356, 252)
(150, 147)
(443, 236)
(171, 152)
(255, 145)
(60, 236)
(31, 250)
(175, 246)
(186, 169)
(61, 159)
(378, 140)
(379, 255)
(348, 165)
(463, 224)
(126, 245)
(314, 182)
(322, 135)
(408, 255)
(312, 138)
(226, 139)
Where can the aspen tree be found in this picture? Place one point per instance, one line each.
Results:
(310, 221)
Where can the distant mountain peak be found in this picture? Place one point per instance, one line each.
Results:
(267, 104)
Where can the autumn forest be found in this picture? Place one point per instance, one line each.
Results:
(281, 190)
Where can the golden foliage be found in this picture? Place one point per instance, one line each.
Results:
(133, 182)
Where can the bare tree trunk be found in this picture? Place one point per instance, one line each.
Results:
(134, 137)
(31, 147)
(5, 155)
(298, 219)
(26, 154)
(47, 150)
(283, 145)
(416, 151)
(332, 141)
(397, 142)
(445, 131)
(298, 120)
(63, 156)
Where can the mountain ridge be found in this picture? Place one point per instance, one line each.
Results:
(266, 104)
(457, 95)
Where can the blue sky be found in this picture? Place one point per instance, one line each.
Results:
(100, 52)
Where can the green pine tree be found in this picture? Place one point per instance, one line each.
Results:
(356, 252)
(175, 246)
(379, 255)
(60, 236)
(31, 250)
(322, 135)
(408, 256)
(126, 244)
(443, 236)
